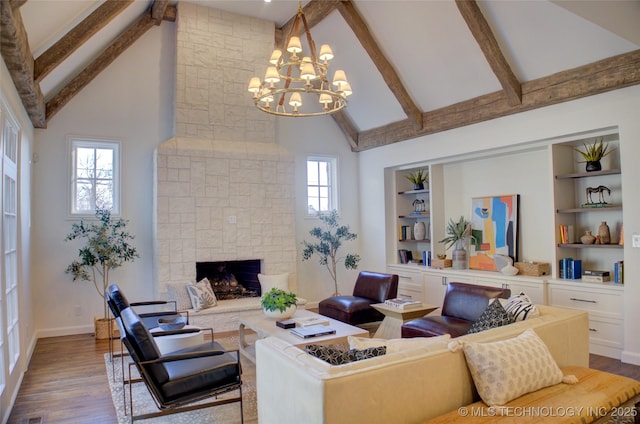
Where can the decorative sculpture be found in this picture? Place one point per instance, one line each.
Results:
(600, 190)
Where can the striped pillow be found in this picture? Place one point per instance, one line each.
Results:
(520, 307)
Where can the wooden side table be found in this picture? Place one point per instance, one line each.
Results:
(390, 328)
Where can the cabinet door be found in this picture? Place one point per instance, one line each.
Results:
(435, 287)
(535, 292)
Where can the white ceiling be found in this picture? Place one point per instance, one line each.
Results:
(426, 41)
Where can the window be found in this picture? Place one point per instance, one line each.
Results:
(321, 184)
(95, 183)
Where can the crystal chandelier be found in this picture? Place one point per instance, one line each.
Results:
(288, 81)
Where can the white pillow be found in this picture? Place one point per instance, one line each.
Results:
(178, 293)
(279, 281)
(399, 345)
(520, 307)
(507, 369)
(201, 294)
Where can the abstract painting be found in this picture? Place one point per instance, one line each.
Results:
(494, 225)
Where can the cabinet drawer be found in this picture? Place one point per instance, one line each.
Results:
(598, 302)
(606, 332)
(406, 293)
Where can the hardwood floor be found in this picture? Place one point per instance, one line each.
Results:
(67, 382)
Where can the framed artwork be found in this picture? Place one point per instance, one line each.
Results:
(494, 224)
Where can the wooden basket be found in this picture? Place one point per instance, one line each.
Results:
(441, 263)
(533, 268)
(102, 328)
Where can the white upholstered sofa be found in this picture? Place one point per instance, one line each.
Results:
(401, 387)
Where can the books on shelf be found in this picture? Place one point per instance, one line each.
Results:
(618, 272)
(309, 321)
(570, 268)
(402, 304)
(312, 331)
(405, 256)
(567, 234)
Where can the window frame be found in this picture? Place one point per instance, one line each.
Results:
(75, 142)
(332, 185)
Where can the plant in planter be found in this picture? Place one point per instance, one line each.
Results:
(592, 154)
(329, 240)
(278, 303)
(107, 247)
(418, 178)
(458, 233)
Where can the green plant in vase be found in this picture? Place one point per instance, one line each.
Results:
(593, 153)
(279, 303)
(418, 178)
(458, 233)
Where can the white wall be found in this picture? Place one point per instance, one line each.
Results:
(131, 100)
(321, 136)
(12, 105)
(615, 108)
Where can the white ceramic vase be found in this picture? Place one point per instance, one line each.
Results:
(419, 230)
(287, 313)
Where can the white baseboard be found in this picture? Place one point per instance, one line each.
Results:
(64, 331)
(630, 357)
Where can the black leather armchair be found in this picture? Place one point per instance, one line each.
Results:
(370, 287)
(462, 306)
(178, 379)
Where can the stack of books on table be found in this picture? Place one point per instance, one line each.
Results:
(309, 321)
(595, 276)
(402, 304)
(312, 331)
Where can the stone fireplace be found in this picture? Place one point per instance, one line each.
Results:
(224, 189)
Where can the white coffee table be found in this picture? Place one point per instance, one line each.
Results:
(175, 342)
(266, 327)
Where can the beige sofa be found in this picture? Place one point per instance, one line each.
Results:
(403, 387)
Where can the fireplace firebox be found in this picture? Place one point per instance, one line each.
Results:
(231, 279)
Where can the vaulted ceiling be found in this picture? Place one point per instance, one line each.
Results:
(416, 67)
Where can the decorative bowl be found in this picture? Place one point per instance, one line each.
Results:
(441, 255)
(170, 324)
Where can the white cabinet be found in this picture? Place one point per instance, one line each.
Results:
(409, 281)
(435, 287)
(604, 303)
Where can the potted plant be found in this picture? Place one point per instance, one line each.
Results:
(329, 240)
(593, 153)
(418, 178)
(458, 233)
(107, 247)
(278, 303)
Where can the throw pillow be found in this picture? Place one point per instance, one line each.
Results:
(202, 297)
(178, 293)
(507, 369)
(520, 307)
(335, 356)
(493, 316)
(279, 281)
(400, 345)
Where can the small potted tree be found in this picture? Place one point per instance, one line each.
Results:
(458, 233)
(279, 304)
(107, 247)
(328, 242)
(418, 178)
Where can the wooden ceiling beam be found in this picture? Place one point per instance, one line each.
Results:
(14, 47)
(605, 75)
(486, 40)
(389, 74)
(71, 41)
(158, 9)
(119, 45)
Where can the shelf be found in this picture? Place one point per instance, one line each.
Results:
(590, 246)
(415, 241)
(425, 191)
(588, 174)
(425, 215)
(580, 210)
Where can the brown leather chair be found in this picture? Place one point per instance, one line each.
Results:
(371, 287)
(463, 304)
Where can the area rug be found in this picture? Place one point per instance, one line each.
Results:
(224, 414)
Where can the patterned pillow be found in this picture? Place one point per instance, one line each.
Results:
(507, 369)
(335, 356)
(493, 316)
(178, 293)
(520, 307)
(201, 295)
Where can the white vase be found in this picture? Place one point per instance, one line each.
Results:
(287, 313)
(419, 230)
